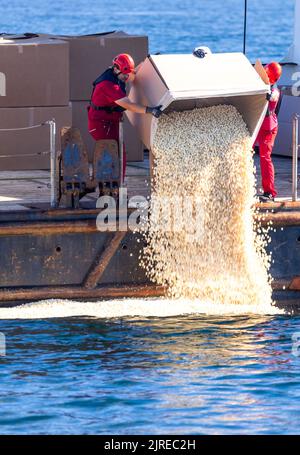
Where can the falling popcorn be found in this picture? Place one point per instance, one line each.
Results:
(202, 240)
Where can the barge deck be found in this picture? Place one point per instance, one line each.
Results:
(30, 190)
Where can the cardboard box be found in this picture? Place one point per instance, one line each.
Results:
(90, 55)
(34, 72)
(33, 145)
(80, 120)
(181, 82)
(133, 145)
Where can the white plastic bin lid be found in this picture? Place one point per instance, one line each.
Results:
(187, 76)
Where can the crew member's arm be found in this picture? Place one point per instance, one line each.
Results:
(133, 107)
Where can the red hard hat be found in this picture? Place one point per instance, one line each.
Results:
(124, 63)
(273, 71)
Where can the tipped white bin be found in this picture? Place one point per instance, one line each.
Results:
(182, 82)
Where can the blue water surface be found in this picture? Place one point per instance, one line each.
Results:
(189, 374)
(172, 25)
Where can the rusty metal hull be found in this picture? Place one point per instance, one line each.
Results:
(63, 249)
(60, 254)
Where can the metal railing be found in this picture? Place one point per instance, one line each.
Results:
(53, 179)
(295, 146)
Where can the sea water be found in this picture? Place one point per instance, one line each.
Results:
(184, 374)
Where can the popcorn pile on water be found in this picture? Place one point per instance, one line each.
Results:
(202, 239)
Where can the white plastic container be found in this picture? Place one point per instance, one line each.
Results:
(182, 82)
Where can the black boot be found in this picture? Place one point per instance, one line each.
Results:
(266, 197)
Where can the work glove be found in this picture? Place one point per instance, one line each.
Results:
(155, 111)
(273, 96)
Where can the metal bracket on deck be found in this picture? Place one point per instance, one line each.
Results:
(74, 167)
(74, 176)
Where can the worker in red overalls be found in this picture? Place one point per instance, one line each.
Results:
(267, 134)
(109, 101)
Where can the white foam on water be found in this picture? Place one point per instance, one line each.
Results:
(152, 307)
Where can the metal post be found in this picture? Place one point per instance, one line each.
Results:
(295, 158)
(53, 177)
(121, 152)
(245, 26)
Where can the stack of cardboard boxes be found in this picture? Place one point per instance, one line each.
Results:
(34, 89)
(45, 77)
